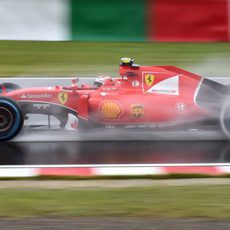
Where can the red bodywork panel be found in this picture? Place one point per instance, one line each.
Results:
(142, 95)
(130, 100)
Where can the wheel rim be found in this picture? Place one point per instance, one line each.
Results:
(6, 119)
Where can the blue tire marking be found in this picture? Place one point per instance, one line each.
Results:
(16, 124)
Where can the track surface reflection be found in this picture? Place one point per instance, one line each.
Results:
(158, 152)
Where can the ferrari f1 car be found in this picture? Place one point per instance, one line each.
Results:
(141, 96)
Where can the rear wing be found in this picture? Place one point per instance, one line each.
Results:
(181, 71)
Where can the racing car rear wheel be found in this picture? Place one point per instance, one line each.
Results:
(11, 118)
(225, 119)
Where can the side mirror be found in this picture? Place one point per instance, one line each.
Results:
(74, 85)
(75, 81)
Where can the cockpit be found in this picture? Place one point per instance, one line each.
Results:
(102, 80)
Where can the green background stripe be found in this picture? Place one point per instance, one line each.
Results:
(108, 20)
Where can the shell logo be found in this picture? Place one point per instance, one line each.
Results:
(110, 109)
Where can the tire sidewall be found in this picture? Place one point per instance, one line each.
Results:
(17, 115)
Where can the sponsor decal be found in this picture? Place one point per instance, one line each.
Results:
(149, 79)
(180, 106)
(135, 83)
(41, 106)
(131, 74)
(109, 88)
(63, 97)
(164, 91)
(137, 110)
(103, 94)
(36, 96)
(110, 109)
(167, 86)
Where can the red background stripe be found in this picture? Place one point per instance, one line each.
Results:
(187, 20)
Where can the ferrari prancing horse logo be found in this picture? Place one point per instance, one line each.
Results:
(63, 97)
(149, 79)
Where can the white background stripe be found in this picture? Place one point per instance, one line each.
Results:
(34, 19)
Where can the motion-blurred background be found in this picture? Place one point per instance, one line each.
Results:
(92, 35)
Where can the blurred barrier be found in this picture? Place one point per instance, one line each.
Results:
(110, 170)
(115, 20)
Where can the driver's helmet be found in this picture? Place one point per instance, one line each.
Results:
(101, 80)
(126, 61)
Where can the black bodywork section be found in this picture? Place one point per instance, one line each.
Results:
(212, 95)
(60, 112)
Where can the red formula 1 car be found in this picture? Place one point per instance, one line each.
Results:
(142, 96)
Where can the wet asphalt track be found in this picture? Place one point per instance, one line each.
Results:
(114, 152)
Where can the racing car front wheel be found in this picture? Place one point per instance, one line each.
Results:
(225, 119)
(11, 118)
